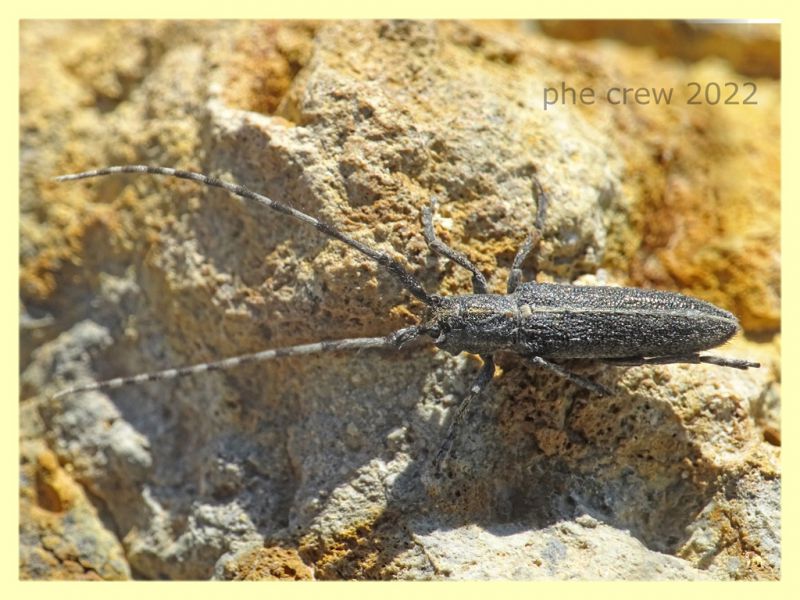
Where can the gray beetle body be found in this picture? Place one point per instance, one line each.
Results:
(541, 321)
(568, 321)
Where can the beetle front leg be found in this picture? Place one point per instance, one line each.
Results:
(531, 241)
(476, 389)
(479, 283)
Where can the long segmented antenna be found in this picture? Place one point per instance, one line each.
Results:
(407, 280)
(394, 340)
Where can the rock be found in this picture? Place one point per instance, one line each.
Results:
(751, 48)
(62, 536)
(324, 461)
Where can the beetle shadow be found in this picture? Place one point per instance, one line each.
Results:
(529, 458)
(286, 438)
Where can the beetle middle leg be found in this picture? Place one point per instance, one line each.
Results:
(578, 380)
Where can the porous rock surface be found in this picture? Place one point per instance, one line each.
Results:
(319, 467)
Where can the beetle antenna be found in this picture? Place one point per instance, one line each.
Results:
(406, 279)
(394, 340)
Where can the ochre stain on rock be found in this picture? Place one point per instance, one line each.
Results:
(268, 563)
(263, 63)
(360, 551)
(62, 536)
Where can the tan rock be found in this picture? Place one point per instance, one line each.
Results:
(360, 123)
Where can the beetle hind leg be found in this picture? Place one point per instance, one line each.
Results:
(720, 361)
(735, 363)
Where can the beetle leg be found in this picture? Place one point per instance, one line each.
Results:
(533, 238)
(515, 274)
(578, 380)
(635, 361)
(735, 363)
(481, 381)
(479, 284)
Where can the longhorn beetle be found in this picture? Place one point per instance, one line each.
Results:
(543, 322)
